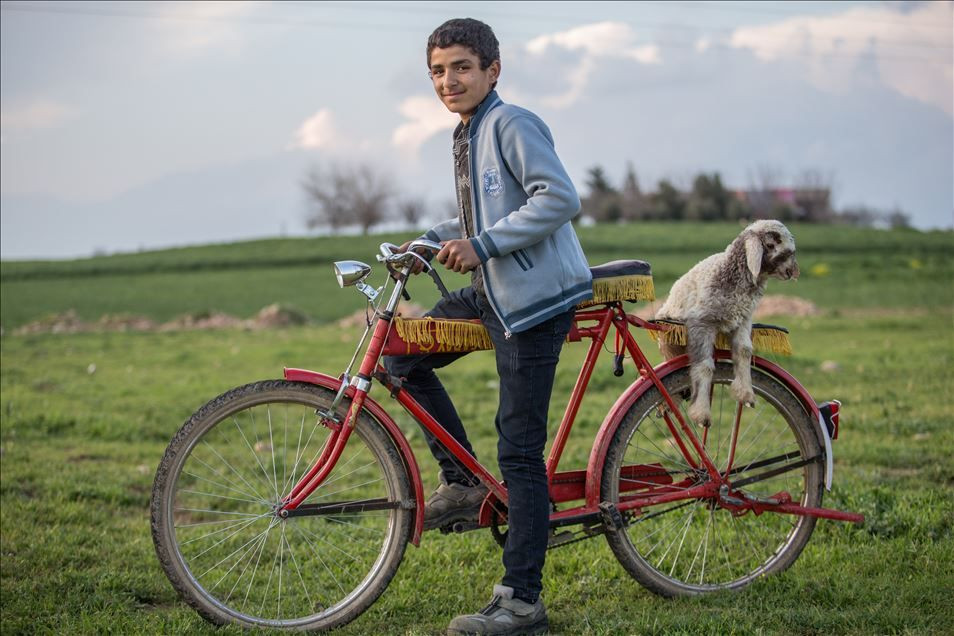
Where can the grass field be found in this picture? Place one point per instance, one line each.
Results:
(86, 417)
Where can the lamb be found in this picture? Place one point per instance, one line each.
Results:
(720, 294)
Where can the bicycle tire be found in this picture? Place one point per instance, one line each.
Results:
(692, 547)
(214, 526)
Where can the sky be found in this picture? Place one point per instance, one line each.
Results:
(138, 125)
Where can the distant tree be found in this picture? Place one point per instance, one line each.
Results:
(708, 200)
(866, 216)
(898, 220)
(634, 204)
(343, 196)
(413, 210)
(603, 202)
(449, 209)
(813, 192)
(668, 203)
(858, 215)
(762, 199)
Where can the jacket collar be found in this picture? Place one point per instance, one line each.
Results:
(489, 102)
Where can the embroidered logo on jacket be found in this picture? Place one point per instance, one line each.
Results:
(493, 185)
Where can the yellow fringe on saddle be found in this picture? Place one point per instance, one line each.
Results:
(631, 288)
(445, 334)
(765, 338)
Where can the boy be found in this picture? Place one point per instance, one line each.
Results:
(528, 271)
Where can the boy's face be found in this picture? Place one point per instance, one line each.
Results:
(459, 81)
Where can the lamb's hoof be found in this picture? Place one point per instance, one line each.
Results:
(700, 416)
(743, 394)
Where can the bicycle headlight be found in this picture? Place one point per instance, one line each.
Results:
(351, 272)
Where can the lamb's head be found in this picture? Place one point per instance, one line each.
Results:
(770, 251)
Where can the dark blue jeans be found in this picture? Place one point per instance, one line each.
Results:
(526, 364)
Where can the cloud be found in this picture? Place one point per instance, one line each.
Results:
(318, 131)
(194, 27)
(911, 49)
(427, 117)
(601, 39)
(38, 114)
(593, 41)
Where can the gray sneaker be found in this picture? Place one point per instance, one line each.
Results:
(453, 502)
(505, 616)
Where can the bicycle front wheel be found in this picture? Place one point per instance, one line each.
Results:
(694, 546)
(214, 521)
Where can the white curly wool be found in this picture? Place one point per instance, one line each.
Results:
(719, 295)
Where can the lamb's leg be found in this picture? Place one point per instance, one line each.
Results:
(701, 340)
(742, 365)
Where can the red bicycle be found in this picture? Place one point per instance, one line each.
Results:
(289, 503)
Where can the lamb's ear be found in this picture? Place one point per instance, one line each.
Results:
(753, 255)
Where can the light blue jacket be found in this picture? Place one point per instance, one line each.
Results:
(523, 201)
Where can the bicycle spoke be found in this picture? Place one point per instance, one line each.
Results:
(228, 556)
(249, 551)
(222, 512)
(258, 560)
(251, 449)
(324, 541)
(298, 571)
(235, 490)
(256, 549)
(244, 524)
(230, 467)
(209, 494)
(304, 450)
(271, 446)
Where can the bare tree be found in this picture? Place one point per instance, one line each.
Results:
(813, 196)
(343, 196)
(635, 205)
(764, 185)
(413, 209)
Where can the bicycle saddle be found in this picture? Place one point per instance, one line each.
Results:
(621, 280)
(621, 268)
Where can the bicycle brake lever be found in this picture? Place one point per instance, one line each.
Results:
(437, 281)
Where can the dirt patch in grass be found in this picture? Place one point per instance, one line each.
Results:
(772, 305)
(270, 317)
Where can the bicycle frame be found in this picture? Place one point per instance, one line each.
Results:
(565, 486)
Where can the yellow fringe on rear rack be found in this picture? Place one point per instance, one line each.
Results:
(771, 340)
(765, 338)
(631, 288)
(450, 335)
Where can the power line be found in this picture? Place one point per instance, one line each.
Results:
(71, 8)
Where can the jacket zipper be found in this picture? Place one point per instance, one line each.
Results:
(477, 229)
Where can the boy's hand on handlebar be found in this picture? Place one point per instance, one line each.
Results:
(458, 255)
(418, 266)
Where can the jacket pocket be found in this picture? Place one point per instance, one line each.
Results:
(523, 259)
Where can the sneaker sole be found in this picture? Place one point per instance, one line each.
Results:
(541, 627)
(453, 516)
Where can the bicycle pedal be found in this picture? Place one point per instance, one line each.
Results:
(460, 526)
(612, 518)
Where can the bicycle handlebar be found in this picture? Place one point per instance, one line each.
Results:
(391, 257)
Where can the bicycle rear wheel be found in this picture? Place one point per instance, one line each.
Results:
(695, 546)
(213, 512)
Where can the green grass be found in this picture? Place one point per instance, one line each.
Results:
(843, 268)
(86, 417)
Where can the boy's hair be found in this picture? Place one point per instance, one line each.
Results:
(474, 34)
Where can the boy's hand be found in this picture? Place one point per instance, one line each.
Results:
(458, 255)
(418, 266)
